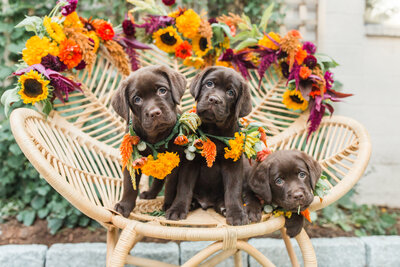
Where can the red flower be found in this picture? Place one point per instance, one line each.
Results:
(70, 53)
(263, 154)
(183, 50)
(181, 140)
(305, 72)
(103, 29)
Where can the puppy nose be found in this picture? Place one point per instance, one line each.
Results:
(214, 100)
(298, 195)
(155, 112)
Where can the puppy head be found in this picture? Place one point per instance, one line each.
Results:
(152, 95)
(286, 178)
(221, 94)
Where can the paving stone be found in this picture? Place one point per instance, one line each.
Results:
(22, 255)
(189, 249)
(168, 253)
(77, 255)
(382, 250)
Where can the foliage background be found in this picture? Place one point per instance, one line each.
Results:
(25, 195)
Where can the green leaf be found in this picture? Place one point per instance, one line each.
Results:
(346, 227)
(27, 217)
(246, 43)
(43, 212)
(14, 148)
(30, 23)
(84, 221)
(54, 224)
(38, 202)
(47, 108)
(241, 36)
(10, 97)
(265, 17)
(224, 27)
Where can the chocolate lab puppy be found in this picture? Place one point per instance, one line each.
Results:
(151, 95)
(286, 178)
(223, 97)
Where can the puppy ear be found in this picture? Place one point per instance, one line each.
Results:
(176, 81)
(118, 101)
(259, 182)
(195, 85)
(314, 168)
(243, 107)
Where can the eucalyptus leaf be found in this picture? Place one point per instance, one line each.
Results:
(31, 23)
(47, 107)
(246, 43)
(265, 17)
(8, 98)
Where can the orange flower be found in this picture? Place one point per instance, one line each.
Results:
(162, 166)
(306, 214)
(263, 154)
(316, 91)
(305, 72)
(70, 53)
(300, 56)
(183, 50)
(181, 140)
(209, 151)
(198, 143)
(193, 110)
(126, 147)
(295, 33)
(103, 29)
(263, 136)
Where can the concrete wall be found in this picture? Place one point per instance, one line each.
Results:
(369, 69)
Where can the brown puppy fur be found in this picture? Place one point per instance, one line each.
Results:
(222, 97)
(286, 178)
(151, 95)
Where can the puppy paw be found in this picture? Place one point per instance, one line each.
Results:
(148, 195)
(293, 230)
(176, 213)
(166, 206)
(124, 208)
(236, 217)
(254, 213)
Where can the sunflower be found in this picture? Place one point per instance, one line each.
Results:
(201, 45)
(33, 87)
(188, 23)
(267, 42)
(70, 53)
(294, 100)
(183, 50)
(167, 39)
(54, 30)
(196, 62)
(37, 48)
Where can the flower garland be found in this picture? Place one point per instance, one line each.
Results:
(62, 44)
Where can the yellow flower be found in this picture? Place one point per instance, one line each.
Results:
(54, 30)
(92, 35)
(294, 100)
(201, 45)
(188, 23)
(37, 48)
(73, 21)
(251, 140)
(196, 62)
(162, 166)
(33, 87)
(236, 147)
(167, 39)
(226, 43)
(265, 41)
(223, 63)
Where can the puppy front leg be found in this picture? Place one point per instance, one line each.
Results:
(294, 224)
(187, 177)
(170, 189)
(128, 201)
(253, 206)
(155, 188)
(232, 175)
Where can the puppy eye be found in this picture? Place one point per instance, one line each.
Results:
(302, 175)
(210, 84)
(230, 92)
(279, 181)
(162, 91)
(137, 100)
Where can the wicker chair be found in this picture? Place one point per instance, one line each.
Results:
(75, 150)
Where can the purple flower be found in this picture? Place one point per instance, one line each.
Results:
(295, 75)
(168, 2)
(153, 23)
(212, 20)
(309, 47)
(328, 76)
(239, 61)
(53, 63)
(128, 27)
(69, 7)
(317, 111)
(267, 58)
(133, 58)
(310, 61)
(81, 65)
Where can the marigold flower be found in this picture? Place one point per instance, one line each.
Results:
(300, 56)
(37, 48)
(267, 42)
(34, 87)
(162, 166)
(73, 21)
(181, 140)
(103, 29)
(263, 154)
(183, 50)
(235, 149)
(305, 72)
(209, 151)
(188, 23)
(177, 12)
(70, 53)
(196, 62)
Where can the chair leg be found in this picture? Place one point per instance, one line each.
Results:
(112, 237)
(289, 248)
(238, 259)
(124, 244)
(307, 249)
